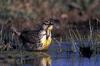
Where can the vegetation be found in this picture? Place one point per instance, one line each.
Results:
(79, 19)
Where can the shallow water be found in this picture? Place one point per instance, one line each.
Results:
(53, 57)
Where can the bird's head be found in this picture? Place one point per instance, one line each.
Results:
(50, 24)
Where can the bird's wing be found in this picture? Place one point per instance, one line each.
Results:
(31, 36)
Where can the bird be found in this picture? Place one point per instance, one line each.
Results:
(39, 38)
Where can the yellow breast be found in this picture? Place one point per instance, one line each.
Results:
(46, 42)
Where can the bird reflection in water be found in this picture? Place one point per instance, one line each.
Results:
(40, 59)
(29, 59)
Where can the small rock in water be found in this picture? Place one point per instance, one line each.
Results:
(86, 52)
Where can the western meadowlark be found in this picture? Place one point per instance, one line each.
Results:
(40, 38)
